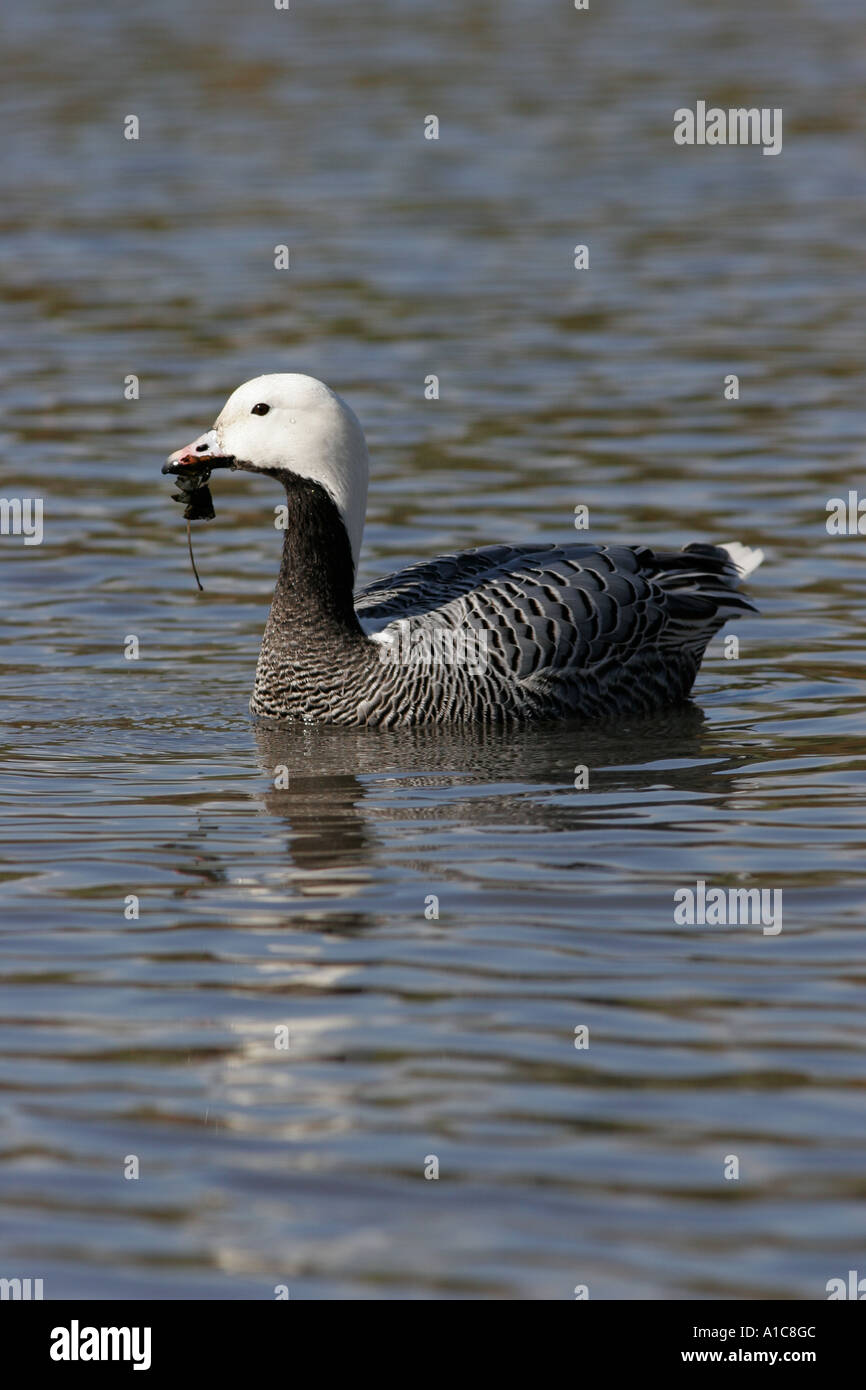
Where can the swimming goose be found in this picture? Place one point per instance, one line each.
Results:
(502, 633)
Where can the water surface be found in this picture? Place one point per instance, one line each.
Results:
(306, 908)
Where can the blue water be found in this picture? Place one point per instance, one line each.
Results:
(308, 908)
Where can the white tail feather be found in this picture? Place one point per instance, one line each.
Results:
(745, 557)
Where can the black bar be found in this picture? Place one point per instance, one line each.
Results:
(233, 1337)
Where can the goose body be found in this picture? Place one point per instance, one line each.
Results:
(502, 633)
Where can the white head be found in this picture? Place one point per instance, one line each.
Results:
(297, 423)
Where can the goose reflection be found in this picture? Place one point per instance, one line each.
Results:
(336, 789)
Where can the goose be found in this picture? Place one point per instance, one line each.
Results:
(504, 633)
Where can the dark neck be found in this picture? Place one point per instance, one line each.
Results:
(313, 606)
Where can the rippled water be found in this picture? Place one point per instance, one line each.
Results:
(303, 908)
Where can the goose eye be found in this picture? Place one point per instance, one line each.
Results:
(260, 409)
